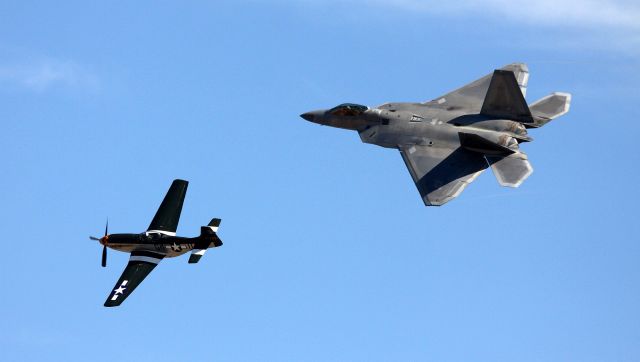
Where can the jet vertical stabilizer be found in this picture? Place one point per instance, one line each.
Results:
(504, 98)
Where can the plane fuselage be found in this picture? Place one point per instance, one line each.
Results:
(169, 245)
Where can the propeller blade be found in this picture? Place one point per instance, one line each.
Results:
(94, 238)
(106, 228)
(104, 256)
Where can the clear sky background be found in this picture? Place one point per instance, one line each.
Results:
(329, 253)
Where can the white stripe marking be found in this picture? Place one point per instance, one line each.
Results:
(170, 233)
(148, 259)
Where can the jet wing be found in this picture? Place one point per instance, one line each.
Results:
(168, 214)
(440, 174)
(471, 96)
(141, 263)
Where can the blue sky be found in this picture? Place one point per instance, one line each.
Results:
(329, 253)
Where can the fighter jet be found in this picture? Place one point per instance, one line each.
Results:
(159, 241)
(448, 141)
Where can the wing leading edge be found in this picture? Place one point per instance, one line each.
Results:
(141, 263)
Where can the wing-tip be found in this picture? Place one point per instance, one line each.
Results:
(194, 258)
(112, 303)
(567, 103)
(436, 202)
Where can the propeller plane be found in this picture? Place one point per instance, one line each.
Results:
(159, 241)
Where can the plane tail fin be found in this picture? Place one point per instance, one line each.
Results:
(213, 226)
(208, 238)
(548, 108)
(504, 98)
(209, 233)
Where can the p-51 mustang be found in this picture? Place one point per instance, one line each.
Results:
(159, 241)
(447, 142)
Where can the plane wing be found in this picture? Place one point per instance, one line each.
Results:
(141, 263)
(168, 215)
(440, 174)
(471, 96)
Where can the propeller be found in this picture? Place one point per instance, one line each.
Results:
(104, 256)
(103, 240)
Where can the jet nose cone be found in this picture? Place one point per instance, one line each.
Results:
(309, 116)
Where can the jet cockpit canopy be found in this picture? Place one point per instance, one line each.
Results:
(348, 109)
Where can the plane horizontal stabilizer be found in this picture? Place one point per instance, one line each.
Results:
(196, 254)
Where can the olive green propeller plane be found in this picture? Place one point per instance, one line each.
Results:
(159, 241)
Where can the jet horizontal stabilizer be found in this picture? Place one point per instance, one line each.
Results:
(511, 170)
(550, 107)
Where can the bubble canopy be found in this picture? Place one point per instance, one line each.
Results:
(348, 109)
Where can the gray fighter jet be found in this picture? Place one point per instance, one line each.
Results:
(447, 142)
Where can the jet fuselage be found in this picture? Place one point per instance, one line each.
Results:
(450, 140)
(401, 124)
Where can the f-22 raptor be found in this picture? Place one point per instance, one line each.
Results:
(447, 142)
(159, 241)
